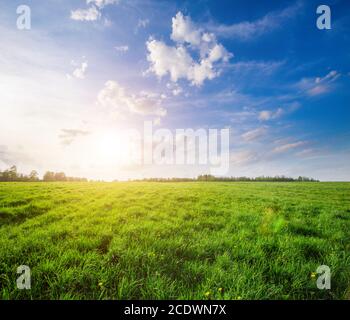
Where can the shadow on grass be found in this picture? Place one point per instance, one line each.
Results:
(20, 214)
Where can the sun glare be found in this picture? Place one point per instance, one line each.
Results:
(110, 148)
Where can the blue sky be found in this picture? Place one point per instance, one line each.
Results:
(87, 69)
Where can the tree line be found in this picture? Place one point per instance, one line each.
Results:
(12, 174)
(208, 177)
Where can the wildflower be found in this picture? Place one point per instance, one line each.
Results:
(207, 294)
(313, 275)
(220, 290)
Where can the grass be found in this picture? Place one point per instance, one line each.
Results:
(174, 240)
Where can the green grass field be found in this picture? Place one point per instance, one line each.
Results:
(175, 240)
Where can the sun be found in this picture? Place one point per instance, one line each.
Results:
(110, 148)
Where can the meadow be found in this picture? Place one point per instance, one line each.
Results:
(190, 240)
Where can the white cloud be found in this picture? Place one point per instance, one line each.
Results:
(288, 146)
(142, 23)
(260, 67)
(175, 88)
(202, 71)
(90, 14)
(247, 30)
(331, 76)
(93, 12)
(319, 85)
(266, 115)
(306, 153)
(115, 96)
(254, 134)
(124, 48)
(317, 90)
(165, 59)
(183, 30)
(79, 72)
(102, 3)
(177, 60)
(67, 136)
(243, 157)
(13, 155)
(218, 52)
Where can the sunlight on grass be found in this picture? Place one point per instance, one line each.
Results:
(174, 240)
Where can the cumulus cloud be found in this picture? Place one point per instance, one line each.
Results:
(79, 71)
(183, 30)
(177, 60)
(254, 134)
(89, 14)
(93, 12)
(115, 96)
(166, 59)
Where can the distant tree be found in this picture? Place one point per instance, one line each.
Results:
(208, 177)
(33, 176)
(13, 173)
(49, 176)
(60, 176)
(10, 174)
